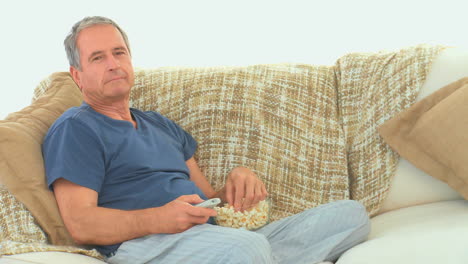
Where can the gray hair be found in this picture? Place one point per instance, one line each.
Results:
(73, 54)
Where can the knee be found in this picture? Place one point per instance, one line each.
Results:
(356, 216)
(251, 247)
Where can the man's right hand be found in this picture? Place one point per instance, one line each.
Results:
(180, 215)
(90, 224)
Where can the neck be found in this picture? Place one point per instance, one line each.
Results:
(119, 110)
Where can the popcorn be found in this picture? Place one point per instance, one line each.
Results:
(252, 219)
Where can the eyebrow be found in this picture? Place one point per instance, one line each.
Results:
(98, 52)
(119, 48)
(94, 54)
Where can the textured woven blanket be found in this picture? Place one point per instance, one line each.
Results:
(308, 131)
(372, 88)
(279, 120)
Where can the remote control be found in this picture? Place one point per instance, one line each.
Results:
(210, 203)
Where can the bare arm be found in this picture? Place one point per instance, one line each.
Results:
(243, 189)
(90, 224)
(197, 176)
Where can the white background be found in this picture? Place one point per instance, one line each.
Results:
(217, 32)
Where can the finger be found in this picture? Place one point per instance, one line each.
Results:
(259, 196)
(239, 192)
(249, 194)
(264, 191)
(192, 198)
(258, 193)
(197, 219)
(229, 193)
(201, 212)
(189, 221)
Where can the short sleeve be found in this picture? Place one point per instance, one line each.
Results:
(73, 151)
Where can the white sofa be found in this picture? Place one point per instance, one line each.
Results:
(423, 220)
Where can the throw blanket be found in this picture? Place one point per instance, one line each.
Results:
(372, 88)
(279, 120)
(308, 131)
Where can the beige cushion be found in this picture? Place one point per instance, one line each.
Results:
(21, 163)
(432, 135)
(431, 234)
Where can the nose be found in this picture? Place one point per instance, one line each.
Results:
(112, 63)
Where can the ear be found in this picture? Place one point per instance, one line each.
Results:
(75, 74)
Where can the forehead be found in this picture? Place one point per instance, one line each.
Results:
(99, 38)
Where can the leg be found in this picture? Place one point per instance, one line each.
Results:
(318, 234)
(200, 244)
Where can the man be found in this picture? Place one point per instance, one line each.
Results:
(126, 180)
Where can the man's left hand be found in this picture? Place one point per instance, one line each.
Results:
(244, 189)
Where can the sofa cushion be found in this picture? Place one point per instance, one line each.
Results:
(411, 186)
(21, 161)
(432, 135)
(430, 234)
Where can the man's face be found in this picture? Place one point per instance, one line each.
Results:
(106, 69)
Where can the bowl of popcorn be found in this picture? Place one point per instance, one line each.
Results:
(251, 219)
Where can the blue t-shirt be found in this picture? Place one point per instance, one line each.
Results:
(129, 168)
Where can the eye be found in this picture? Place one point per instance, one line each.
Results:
(97, 58)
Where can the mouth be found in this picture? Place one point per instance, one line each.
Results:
(116, 78)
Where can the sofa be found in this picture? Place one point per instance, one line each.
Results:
(314, 134)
